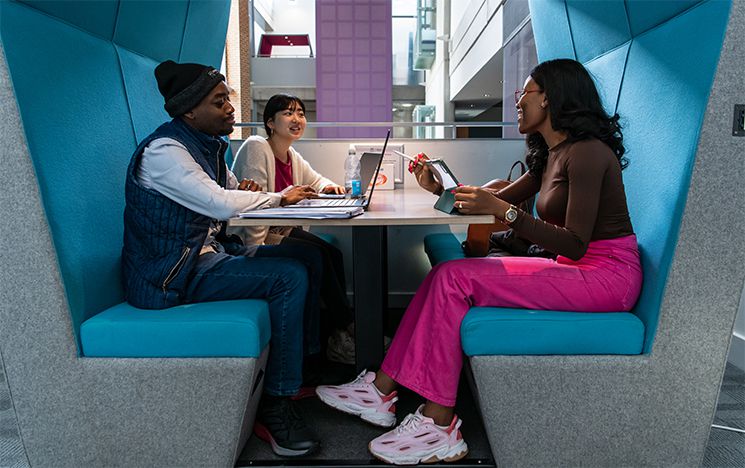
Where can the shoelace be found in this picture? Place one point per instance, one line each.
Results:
(360, 378)
(296, 421)
(287, 416)
(410, 424)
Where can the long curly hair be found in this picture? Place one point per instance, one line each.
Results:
(575, 108)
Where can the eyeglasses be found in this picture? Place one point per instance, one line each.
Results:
(522, 92)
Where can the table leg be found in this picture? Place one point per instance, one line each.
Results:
(370, 265)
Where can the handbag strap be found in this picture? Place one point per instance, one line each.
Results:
(514, 165)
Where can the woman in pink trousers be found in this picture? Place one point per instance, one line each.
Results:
(575, 158)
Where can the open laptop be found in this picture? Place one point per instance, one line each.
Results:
(369, 168)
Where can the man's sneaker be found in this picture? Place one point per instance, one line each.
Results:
(279, 424)
(361, 398)
(419, 440)
(340, 347)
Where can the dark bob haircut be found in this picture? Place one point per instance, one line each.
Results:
(278, 103)
(575, 108)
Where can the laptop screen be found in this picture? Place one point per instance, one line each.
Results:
(370, 167)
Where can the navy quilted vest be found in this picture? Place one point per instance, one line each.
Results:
(162, 239)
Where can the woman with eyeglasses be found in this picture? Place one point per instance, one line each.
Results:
(575, 158)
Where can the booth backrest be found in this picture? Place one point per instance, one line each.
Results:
(654, 64)
(84, 112)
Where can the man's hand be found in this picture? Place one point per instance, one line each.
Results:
(424, 176)
(476, 200)
(295, 193)
(250, 185)
(333, 188)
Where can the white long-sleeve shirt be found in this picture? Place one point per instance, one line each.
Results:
(167, 167)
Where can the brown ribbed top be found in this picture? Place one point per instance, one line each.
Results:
(581, 199)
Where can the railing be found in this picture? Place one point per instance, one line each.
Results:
(450, 127)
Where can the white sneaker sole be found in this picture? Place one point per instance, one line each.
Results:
(446, 454)
(366, 414)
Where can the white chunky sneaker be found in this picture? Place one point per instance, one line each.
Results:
(361, 398)
(419, 440)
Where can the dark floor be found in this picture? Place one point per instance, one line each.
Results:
(344, 437)
(727, 448)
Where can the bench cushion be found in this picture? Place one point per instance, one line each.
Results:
(502, 331)
(238, 328)
(442, 247)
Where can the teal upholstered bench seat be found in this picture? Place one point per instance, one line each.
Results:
(442, 247)
(499, 331)
(238, 328)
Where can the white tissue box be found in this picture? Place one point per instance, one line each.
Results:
(386, 177)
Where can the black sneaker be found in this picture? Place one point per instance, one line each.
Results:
(279, 423)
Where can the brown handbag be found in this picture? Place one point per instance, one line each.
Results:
(477, 240)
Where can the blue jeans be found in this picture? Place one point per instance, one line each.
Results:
(311, 258)
(280, 280)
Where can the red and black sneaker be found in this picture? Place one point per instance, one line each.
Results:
(280, 424)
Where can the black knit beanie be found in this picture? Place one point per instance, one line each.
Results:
(184, 85)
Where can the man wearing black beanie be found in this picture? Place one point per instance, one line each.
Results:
(179, 192)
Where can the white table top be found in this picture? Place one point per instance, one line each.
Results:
(400, 207)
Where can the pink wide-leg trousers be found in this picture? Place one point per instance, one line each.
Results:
(426, 354)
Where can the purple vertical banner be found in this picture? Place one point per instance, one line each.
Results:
(354, 76)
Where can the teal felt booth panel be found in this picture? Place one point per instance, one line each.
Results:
(200, 42)
(85, 100)
(646, 14)
(502, 331)
(592, 33)
(663, 98)
(607, 71)
(209, 329)
(97, 17)
(145, 101)
(80, 137)
(153, 28)
(657, 75)
(551, 30)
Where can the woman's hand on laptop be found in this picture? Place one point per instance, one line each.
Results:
(333, 189)
(296, 193)
(424, 176)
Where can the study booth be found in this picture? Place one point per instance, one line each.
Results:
(97, 382)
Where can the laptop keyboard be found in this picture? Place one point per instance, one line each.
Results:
(342, 202)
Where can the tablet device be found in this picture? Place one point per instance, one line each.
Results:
(443, 174)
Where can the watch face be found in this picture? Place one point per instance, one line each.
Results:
(510, 215)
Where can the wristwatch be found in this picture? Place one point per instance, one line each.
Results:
(510, 215)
